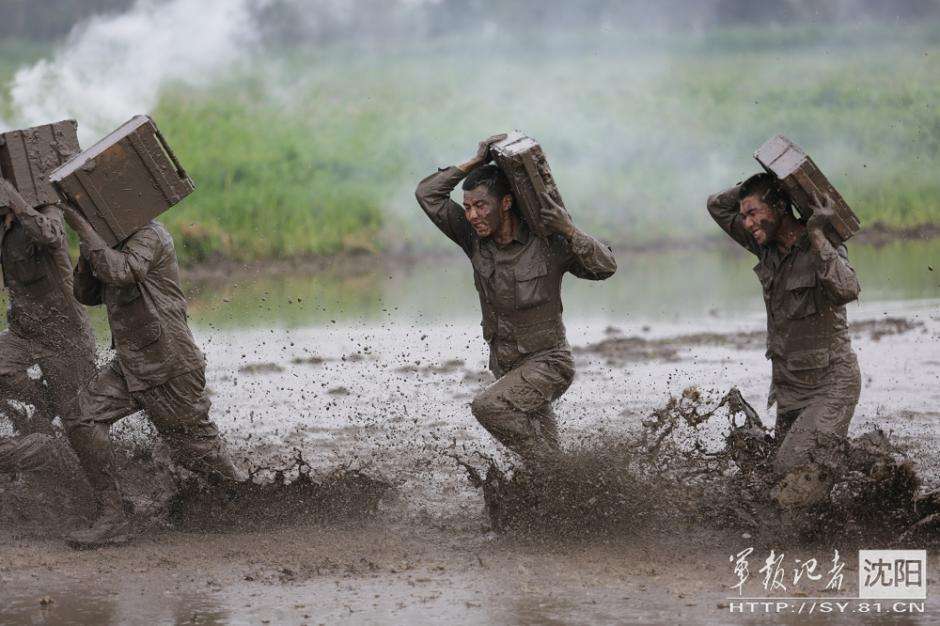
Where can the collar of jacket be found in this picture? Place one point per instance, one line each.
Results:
(521, 233)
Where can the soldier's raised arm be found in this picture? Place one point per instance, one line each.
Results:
(116, 267)
(590, 259)
(833, 271)
(433, 194)
(724, 207)
(44, 225)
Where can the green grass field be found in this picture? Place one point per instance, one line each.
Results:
(317, 151)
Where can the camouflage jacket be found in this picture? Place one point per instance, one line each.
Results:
(37, 272)
(805, 293)
(139, 284)
(519, 284)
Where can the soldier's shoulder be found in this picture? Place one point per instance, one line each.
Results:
(158, 229)
(153, 235)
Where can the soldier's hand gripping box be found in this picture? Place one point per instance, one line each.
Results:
(522, 160)
(125, 180)
(28, 156)
(802, 179)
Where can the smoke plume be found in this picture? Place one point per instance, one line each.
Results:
(114, 66)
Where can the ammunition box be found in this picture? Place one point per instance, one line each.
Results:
(802, 179)
(522, 160)
(125, 180)
(28, 156)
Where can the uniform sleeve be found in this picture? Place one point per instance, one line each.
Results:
(590, 259)
(837, 278)
(44, 226)
(724, 209)
(129, 265)
(85, 286)
(433, 195)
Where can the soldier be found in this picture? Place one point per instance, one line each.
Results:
(807, 282)
(518, 278)
(47, 327)
(158, 368)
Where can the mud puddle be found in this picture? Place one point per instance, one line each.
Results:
(403, 415)
(618, 349)
(54, 499)
(710, 466)
(389, 574)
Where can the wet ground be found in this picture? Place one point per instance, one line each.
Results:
(361, 375)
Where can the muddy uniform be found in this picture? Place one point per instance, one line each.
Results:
(158, 368)
(46, 325)
(23, 454)
(519, 285)
(815, 377)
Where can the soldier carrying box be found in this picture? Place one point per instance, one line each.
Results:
(158, 367)
(46, 326)
(807, 281)
(518, 278)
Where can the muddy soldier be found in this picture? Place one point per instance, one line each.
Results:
(518, 279)
(158, 367)
(807, 282)
(47, 327)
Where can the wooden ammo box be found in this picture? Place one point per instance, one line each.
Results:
(522, 160)
(125, 180)
(28, 156)
(801, 178)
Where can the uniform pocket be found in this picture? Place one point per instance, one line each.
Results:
(531, 285)
(808, 367)
(134, 324)
(149, 335)
(808, 359)
(800, 297)
(538, 336)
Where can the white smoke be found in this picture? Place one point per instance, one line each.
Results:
(114, 66)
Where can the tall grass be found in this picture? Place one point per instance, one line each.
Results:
(315, 151)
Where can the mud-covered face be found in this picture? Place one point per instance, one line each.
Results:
(760, 219)
(482, 210)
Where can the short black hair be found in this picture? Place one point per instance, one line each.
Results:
(490, 177)
(768, 188)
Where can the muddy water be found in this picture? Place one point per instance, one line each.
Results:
(375, 371)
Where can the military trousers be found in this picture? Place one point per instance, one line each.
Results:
(178, 408)
(823, 420)
(517, 408)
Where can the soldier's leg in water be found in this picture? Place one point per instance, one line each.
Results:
(15, 384)
(824, 421)
(65, 376)
(179, 408)
(102, 402)
(516, 409)
(783, 425)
